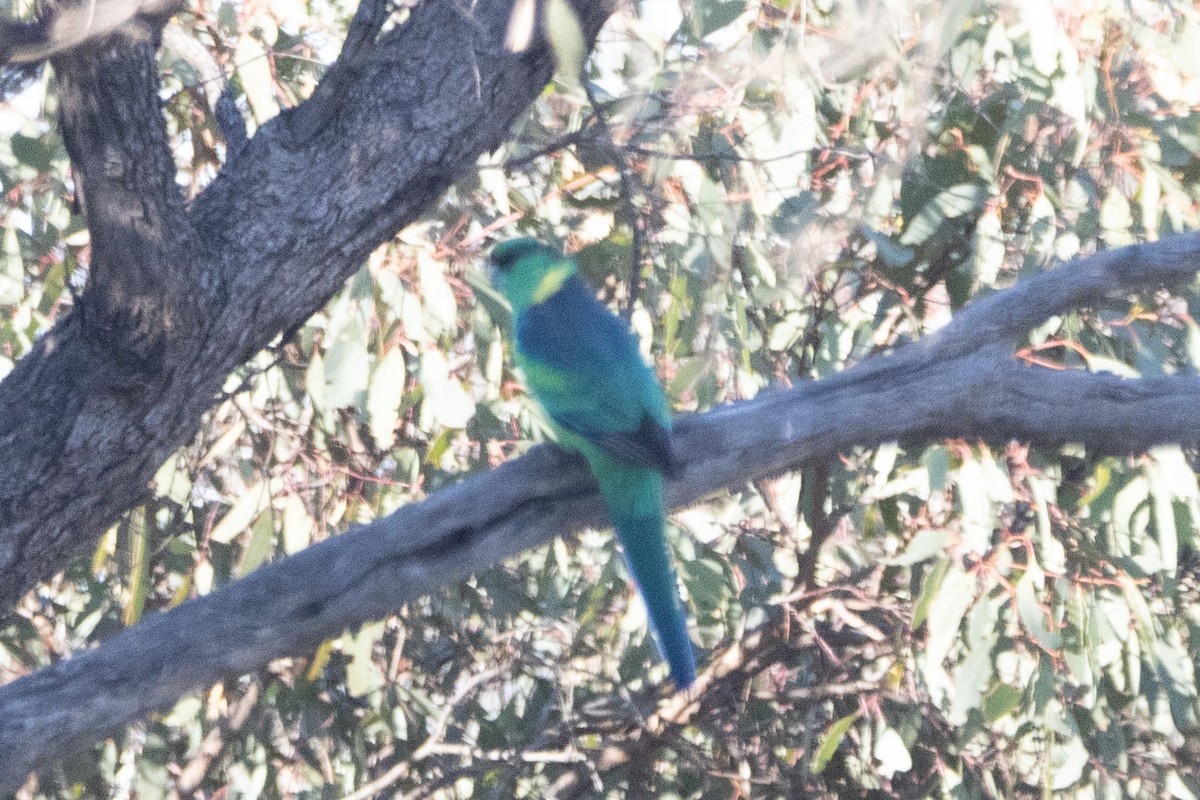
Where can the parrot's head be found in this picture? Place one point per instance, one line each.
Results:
(528, 272)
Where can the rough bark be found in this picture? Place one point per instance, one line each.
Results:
(178, 297)
(961, 382)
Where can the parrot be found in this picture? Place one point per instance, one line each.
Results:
(582, 364)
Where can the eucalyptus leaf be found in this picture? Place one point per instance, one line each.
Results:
(385, 397)
(831, 741)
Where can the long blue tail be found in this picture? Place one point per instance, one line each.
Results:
(635, 505)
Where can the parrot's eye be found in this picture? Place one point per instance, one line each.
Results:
(506, 254)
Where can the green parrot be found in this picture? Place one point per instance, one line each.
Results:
(582, 364)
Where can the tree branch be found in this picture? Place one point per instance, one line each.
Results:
(141, 300)
(280, 229)
(140, 320)
(933, 389)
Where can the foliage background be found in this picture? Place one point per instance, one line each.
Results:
(807, 184)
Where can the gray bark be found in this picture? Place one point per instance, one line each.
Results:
(960, 382)
(180, 296)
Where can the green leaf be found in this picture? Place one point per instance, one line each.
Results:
(1116, 219)
(12, 274)
(1145, 626)
(1105, 364)
(565, 34)
(314, 380)
(446, 403)
(297, 525)
(363, 675)
(973, 676)
(1030, 608)
(936, 460)
(786, 332)
(519, 34)
(259, 547)
(1042, 27)
(138, 565)
(31, 152)
(954, 597)
(893, 254)
(890, 751)
(964, 198)
(1176, 674)
(386, 397)
(706, 583)
(929, 589)
(437, 298)
(1001, 701)
(240, 515)
(712, 15)
(687, 373)
(173, 481)
(1068, 759)
(254, 69)
(925, 545)
(829, 743)
(492, 301)
(796, 213)
(348, 366)
(439, 447)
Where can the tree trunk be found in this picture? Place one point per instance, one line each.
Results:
(179, 296)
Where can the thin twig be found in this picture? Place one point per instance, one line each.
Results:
(562, 143)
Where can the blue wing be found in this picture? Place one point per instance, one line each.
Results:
(583, 364)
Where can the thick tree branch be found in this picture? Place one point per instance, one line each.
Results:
(926, 391)
(1004, 318)
(102, 399)
(139, 322)
(141, 301)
